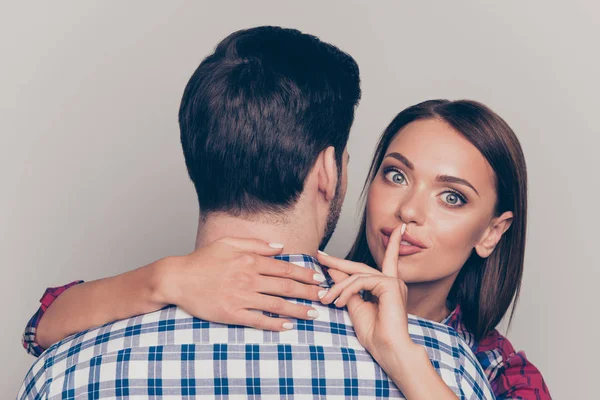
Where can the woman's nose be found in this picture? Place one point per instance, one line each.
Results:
(412, 209)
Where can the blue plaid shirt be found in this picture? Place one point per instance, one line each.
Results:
(170, 354)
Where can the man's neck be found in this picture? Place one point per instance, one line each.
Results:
(297, 235)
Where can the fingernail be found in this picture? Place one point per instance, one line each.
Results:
(322, 293)
(335, 302)
(276, 245)
(319, 278)
(287, 326)
(312, 313)
(403, 229)
(322, 252)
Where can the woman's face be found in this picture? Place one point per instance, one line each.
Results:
(442, 187)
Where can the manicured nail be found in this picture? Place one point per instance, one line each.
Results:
(319, 278)
(322, 252)
(276, 245)
(287, 326)
(312, 313)
(322, 293)
(403, 230)
(335, 302)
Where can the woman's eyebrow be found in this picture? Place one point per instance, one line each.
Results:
(402, 159)
(439, 178)
(453, 179)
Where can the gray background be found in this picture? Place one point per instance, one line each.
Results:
(93, 181)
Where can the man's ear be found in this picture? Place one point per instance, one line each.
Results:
(493, 234)
(327, 173)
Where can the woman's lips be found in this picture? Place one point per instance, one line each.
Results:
(407, 247)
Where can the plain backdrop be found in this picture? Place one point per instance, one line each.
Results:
(93, 181)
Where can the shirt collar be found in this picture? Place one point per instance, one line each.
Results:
(455, 321)
(306, 261)
(453, 318)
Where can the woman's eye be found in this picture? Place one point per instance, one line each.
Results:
(453, 199)
(395, 176)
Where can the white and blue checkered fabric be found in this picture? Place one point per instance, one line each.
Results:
(169, 354)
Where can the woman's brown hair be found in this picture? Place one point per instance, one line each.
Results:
(484, 288)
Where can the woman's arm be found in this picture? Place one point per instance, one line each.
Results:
(95, 303)
(221, 282)
(29, 335)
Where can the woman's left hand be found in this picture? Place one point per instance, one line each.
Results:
(381, 326)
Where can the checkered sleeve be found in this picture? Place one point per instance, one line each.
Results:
(36, 385)
(452, 358)
(473, 382)
(29, 335)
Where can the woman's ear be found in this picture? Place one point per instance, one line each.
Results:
(327, 175)
(493, 234)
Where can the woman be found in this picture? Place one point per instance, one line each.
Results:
(452, 174)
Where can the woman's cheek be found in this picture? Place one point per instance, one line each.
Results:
(456, 232)
(456, 238)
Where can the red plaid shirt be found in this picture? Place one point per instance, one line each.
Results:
(511, 375)
(29, 339)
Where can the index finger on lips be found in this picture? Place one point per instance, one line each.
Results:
(390, 259)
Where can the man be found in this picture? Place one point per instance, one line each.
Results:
(264, 124)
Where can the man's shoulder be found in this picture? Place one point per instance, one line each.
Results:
(434, 334)
(173, 336)
(172, 326)
(445, 345)
(431, 325)
(139, 331)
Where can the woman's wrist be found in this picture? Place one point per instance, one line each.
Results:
(162, 281)
(400, 358)
(412, 372)
(406, 362)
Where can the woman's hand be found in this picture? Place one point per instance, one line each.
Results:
(381, 325)
(223, 281)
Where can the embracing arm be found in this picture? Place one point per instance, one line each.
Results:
(95, 303)
(29, 339)
(221, 282)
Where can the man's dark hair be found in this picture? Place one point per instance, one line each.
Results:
(256, 114)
